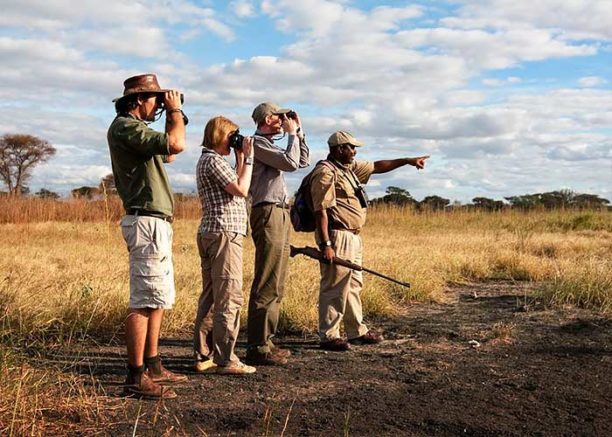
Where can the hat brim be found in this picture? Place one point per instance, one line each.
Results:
(139, 92)
(282, 111)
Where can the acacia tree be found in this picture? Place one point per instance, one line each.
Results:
(19, 154)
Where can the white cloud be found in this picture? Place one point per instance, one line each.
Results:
(404, 88)
(242, 8)
(511, 80)
(576, 19)
(591, 81)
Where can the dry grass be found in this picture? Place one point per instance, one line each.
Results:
(64, 280)
(37, 402)
(64, 277)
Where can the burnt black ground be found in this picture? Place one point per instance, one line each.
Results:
(491, 362)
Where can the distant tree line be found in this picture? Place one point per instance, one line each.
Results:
(20, 154)
(550, 200)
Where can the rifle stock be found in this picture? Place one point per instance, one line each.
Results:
(314, 253)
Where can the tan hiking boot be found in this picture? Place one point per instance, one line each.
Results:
(141, 386)
(206, 366)
(158, 373)
(238, 368)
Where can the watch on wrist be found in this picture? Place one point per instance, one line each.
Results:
(324, 244)
(248, 160)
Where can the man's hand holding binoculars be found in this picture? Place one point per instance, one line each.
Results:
(291, 123)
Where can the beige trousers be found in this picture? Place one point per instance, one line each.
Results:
(221, 259)
(339, 297)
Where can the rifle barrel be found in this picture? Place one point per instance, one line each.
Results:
(313, 253)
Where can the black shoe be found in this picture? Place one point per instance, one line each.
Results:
(336, 345)
(370, 337)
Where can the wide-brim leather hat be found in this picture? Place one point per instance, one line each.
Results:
(342, 137)
(142, 83)
(262, 110)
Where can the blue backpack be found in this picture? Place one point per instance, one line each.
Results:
(302, 211)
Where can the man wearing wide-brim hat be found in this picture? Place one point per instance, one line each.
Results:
(138, 154)
(340, 206)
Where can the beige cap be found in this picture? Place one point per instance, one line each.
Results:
(343, 137)
(262, 110)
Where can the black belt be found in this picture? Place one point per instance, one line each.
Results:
(277, 204)
(144, 213)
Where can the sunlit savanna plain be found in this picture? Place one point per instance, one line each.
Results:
(70, 279)
(66, 279)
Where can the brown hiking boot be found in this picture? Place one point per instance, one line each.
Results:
(265, 358)
(370, 337)
(139, 385)
(335, 345)
(285, 353)
(158, 373)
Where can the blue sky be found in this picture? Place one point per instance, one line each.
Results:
(507, 97)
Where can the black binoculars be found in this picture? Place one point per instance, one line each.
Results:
(235, 140)
(162, 103)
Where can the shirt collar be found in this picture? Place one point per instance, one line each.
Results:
(337, 164)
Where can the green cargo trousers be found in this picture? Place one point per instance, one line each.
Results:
(270, 227)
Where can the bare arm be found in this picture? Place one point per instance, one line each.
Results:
(175, 126)
(240, 187)
(388, 165)
(322, 223)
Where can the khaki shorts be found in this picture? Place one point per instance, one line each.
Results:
(149, 242)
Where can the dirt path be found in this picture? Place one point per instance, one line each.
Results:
(490, 363)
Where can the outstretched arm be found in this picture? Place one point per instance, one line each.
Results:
(388, 165)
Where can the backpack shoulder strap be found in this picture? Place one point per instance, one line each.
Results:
(328, 164)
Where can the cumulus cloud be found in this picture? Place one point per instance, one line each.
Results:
(591, 81)
(576, 19)
(403, 86)
(242, 8)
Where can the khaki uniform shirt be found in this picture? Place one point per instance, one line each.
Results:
(333, 189)
(137, 159)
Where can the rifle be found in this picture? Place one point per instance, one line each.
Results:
(313, 253)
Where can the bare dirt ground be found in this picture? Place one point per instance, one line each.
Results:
(491, 362)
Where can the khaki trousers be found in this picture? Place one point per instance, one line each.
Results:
(221, 259)
(271, 229)
(339, 297)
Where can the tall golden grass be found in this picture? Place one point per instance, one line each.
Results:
(65, 273)
(64, 277)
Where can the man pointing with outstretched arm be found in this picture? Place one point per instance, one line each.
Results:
(340, 206)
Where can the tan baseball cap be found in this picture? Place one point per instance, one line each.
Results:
(343, 137)
(262, 110)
